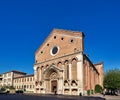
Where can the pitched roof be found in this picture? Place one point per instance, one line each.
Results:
(64, 32)
(15, 71)
(24, 76)
(99, 63)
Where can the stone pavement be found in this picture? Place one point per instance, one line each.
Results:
(107, 97)
(56, 97)
(46, 97)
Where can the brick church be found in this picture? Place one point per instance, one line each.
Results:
(62, 67)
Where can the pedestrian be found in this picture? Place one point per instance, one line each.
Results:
(80, 94)
(104, 92)
(55, 92)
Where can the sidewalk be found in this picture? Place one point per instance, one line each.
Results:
(107, 97)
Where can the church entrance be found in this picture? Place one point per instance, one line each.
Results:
(54, 86)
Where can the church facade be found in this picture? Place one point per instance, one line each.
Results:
(62, 67)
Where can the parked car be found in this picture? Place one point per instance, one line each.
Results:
(4, 92)
(19, 91)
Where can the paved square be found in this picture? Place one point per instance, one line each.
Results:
(45, 97)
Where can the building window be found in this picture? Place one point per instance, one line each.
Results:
(9, 74)
(48, 44)
(22, 80)
(41, 52)
(5, 75)
(71, 40)
(74, 69)
(67, 71)
(31, 79)
(27, 86)
(4, 80)
(54, 50)
(62, 38)
(9, 79)
(54, 37)
(30, 86)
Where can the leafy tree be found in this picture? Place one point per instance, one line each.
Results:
(98, 88)
(92, 91)
(3, 89)
(88, 92)
(112, 80)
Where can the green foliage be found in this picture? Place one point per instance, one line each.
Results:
(88, 92)
(98, 88)
(92, 91)
(112, 79)
(3, 89)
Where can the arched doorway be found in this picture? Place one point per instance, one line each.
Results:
(53, 79)
(54, 86)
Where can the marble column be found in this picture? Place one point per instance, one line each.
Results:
(40, 74)
(35, 78)
(60, 85)
(70, 76)
(35, 73)
(80, 73)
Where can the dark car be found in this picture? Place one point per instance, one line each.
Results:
(19, 91)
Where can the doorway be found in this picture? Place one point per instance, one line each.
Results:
(54, 86)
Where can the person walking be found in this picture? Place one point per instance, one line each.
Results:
(104, 91)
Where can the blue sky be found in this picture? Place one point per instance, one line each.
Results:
(25, 24)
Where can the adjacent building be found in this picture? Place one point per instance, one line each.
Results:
(62, 66)
(25, 83)
(7, 77)
(19, 80)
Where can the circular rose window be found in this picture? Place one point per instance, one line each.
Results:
(54, 50)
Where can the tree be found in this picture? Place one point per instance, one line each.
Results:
(112, 80)
(98, 88)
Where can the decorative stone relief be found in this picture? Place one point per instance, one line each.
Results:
(74, 91)
(74, 83)
(53, 75)
(66, 91)
(66, 83)
(40, 83)
(36, 83)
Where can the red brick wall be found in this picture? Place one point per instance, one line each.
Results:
(68, 42)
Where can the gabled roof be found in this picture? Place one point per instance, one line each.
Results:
(63, 32)
(31, 75)
(52, 67)
(99, 63)
(15, 71)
